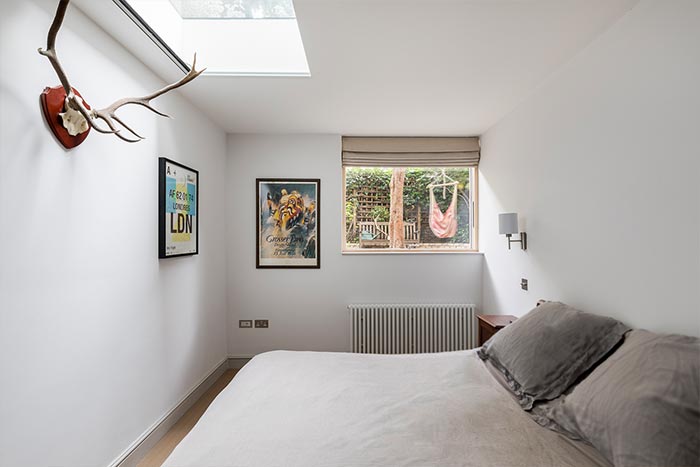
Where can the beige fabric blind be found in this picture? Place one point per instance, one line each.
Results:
(410, 152)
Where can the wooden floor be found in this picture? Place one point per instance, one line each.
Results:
(172, 438)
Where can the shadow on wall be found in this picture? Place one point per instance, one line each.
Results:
(184, 273)
(503, 269)
(201, 309)
(22, 133)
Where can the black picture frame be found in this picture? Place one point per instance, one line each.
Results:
(289, 262)
(163, 164)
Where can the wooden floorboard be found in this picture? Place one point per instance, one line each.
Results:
(172, 438)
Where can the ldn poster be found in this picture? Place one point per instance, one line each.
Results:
(288, 223)
(178, 210)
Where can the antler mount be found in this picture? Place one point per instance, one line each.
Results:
(70, 117)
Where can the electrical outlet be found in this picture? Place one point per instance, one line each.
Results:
(245, 323)
(262, 323)
(523, 284)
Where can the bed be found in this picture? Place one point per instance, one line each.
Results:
(557, 388)
(307, 409)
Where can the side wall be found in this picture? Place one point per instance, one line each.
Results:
(314, 316)
(602, 165)
(98, 338)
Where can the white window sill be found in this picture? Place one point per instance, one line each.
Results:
(408, 251)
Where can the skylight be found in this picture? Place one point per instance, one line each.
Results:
(234, 9)
(230, 37)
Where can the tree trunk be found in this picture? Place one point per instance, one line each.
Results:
(396, 231)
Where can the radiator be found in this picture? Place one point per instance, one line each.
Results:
(403, 329)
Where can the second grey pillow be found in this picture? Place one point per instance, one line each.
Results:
(640, 407)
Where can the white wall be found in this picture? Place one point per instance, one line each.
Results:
(307, 308)
(602, 165)
(98, 338)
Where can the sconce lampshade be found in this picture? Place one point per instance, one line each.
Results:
(508, 223)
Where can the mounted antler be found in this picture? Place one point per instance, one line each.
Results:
(108, 114)
(74, 108)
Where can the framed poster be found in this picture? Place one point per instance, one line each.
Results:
(178, 209)
(288, 222)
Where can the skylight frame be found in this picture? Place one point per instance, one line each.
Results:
(176, 58)
(131, 13)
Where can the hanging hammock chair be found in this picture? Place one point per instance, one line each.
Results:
(443, 224)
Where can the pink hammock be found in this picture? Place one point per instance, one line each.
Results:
(443, 225)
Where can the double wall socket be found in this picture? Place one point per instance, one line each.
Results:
(248, 323)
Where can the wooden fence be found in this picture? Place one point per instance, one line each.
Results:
(374, 234)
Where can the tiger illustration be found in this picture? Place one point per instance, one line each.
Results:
(290, 211)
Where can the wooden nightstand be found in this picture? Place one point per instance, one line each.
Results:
(491, 324)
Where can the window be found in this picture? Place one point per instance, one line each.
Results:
(430, 182)
(230, 37)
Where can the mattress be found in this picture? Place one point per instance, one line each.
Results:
(313, 409)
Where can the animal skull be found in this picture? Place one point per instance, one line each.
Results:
(73, 120)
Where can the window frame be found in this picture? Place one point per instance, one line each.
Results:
(473, 247)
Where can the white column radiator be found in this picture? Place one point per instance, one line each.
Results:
(401, 329)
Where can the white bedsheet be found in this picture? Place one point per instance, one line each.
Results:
(315, 409)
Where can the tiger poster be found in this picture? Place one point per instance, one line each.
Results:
(178, 210)
(288, 223)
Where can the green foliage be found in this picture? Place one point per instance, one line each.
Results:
(359, 178)
(381, 213)
(415, 190)
(350, 207)
(350, 212)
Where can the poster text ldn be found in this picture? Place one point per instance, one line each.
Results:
(183, 224)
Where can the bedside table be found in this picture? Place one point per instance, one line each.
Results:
(491, 324)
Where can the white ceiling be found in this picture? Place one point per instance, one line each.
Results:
(396, 67)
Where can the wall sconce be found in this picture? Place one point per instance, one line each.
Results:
(508, 225)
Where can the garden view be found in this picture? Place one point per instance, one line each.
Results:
(368, 208)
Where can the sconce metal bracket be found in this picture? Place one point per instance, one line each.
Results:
(522, 240)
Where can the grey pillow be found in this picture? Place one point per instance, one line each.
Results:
(640, 407)
(545, 351)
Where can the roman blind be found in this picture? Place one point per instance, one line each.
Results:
(410, 152)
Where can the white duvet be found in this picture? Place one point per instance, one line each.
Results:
(313, 409)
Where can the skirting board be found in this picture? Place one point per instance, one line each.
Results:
(139, 448)
(236, 362)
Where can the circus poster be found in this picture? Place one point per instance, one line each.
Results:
(288, 223)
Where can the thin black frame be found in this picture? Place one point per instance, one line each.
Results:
(317, 181)
(152, 34)
(161, 208)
